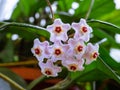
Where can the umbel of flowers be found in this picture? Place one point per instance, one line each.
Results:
(72, 52)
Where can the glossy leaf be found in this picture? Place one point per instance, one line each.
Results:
(102, 34)
(84, 6)
(102, 8)
(98, 70)
(112, 17)
(24, 30)
(109, 27)
(102, 29)
(104, 54)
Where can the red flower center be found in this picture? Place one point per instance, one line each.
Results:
(37, 51)
(48, 72)
(84, 29)
(57, 51)
(58, 29)
(73, 68)
(80, 48)
(95, 55)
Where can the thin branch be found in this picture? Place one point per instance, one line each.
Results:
(25, 27)
(11, 81)
(7, 24)
(90, 9)
(49, 4)
(35, 82)
(62, 85)
(22, 63)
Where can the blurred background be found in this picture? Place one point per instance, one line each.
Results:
(16, 42)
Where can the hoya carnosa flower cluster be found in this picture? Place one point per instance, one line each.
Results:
(72, 52)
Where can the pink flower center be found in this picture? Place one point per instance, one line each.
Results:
(58, 29)
(58, 51)
(37, 51)
(84, 29)
(95, 55)
(80, 48)
(48, 72)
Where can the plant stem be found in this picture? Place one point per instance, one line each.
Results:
(35, 82)
(90, 9)
(22, 63)
(7, 24)
(62, 84)
(94, 85)
(11, 81)
(49, 4)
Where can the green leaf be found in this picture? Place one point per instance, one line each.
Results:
(12, 77)
(24, 30)
(102, 34)
(80, 12)
(108, 70)
(83, 8)
(112, 17)
(109, 27)
(98, 70)
(102, 29)
(7, 54)
(23, 9)
(102, 68)
(104, 54)
(90, 73)
(65, 5)
(102, 8)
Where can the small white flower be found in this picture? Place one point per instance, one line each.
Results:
(82, 30)
(91, 53)
(58, 30)
(73, 64)
(49, 69)
(40, 49)
(77, 46)
(58, 50)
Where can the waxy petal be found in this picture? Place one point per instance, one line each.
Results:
(73, 64)
(49, 69)
(91, 53)
(61, 50)
(40, 49)
(80, 32)
(77, 46)
(58, 30)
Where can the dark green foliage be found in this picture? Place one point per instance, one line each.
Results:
(103, 18)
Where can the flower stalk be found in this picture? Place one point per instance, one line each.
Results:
(49, 4)
(35, 82)
(90, 9)
(11, 82)
(62, 85)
